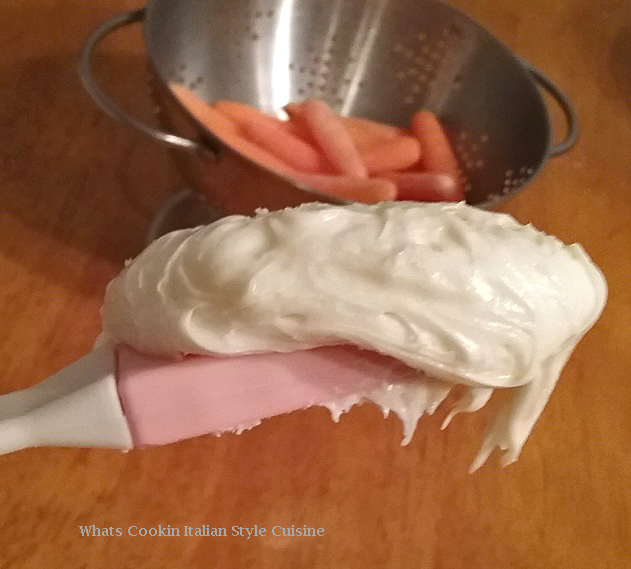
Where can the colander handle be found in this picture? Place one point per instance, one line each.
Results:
(566, 106)
(100, 97)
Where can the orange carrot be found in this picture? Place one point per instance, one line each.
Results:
(227, 130)
(369, 133)
(438, 156)
(213, 120)
(364, 132)
(331, 136)
(241, 113)
(284, 144)
(298, 128)
(260, 155)
(274, 135)
(425, 187)
(362, 190)
(394, 154)
(294, 110)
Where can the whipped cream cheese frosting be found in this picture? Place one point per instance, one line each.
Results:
(463, 295)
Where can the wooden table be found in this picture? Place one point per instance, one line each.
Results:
(77, 191)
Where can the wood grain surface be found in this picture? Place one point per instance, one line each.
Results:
(77, 191)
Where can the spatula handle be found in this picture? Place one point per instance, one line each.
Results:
(77, 406)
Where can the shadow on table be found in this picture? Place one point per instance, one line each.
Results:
(620, 59)
(70, 173)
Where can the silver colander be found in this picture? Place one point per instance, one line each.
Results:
(378, 59)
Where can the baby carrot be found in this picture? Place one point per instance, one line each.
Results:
(227, 130)
(241, 113)
(362, 190)
(425, 187)
(330, 134)
(213, 120)
(260, 155)
(293, 110)
(284, 144)
(365, 132)
(438, 156)
(274, 136)
(394, 154)
(298, 128)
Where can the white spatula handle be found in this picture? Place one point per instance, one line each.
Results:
(78, 406)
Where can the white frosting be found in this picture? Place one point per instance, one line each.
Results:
(465, 295)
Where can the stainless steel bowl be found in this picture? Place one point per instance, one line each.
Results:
(378, 59)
